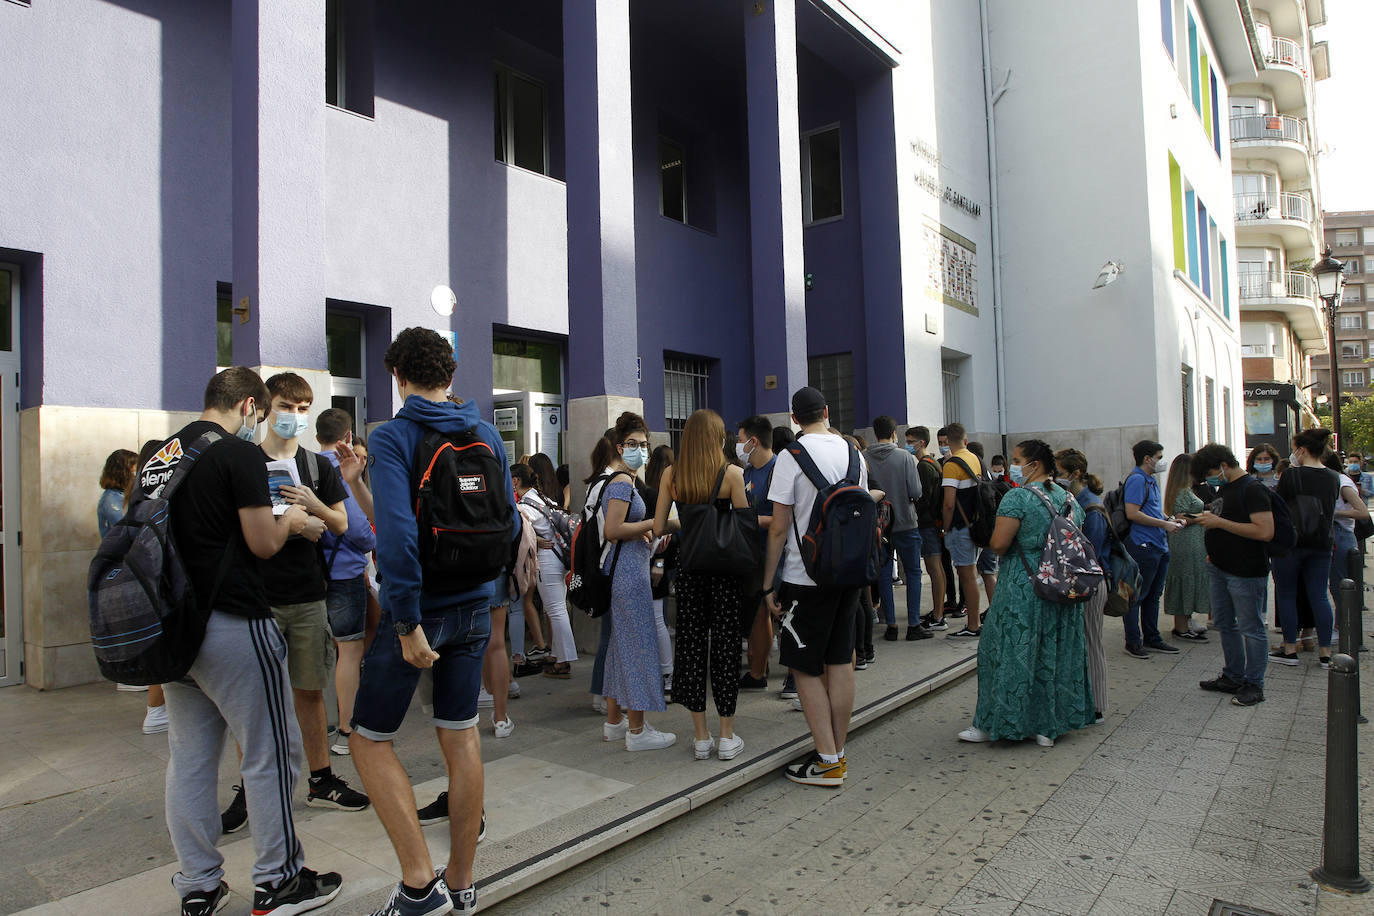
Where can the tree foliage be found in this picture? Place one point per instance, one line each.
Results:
(1357, 425)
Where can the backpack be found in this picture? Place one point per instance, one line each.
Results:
(885, 523)
(589, 587)
(1285, 532)
(524, 559)
(929, 506)
(1306, 513)
(146, 622)
(559, 524)
(462, 510)
(986, 497)
(1114, 504)
(1121, 570)
(842, 547)
(1068, 571)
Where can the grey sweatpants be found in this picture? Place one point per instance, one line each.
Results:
(240, 686)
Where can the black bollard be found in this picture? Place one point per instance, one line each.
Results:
(1350, 620)
(1354, 565)
(1340, 868)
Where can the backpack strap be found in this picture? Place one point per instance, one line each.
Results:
(312, 467)
(808, 466)
(968, 522)
(189, 457)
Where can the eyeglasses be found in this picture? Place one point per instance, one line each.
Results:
(633, 443)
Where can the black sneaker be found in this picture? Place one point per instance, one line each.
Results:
(332, 792)
(527, 669)
(1280, 657)
(1248, 695)
(870, 655)
(302, 892)
(1161, 646)
(956, 610)
(748, 682)
(860, 661)
(1137, 652)
(965, 633)
(1221, 684)
(236, 815)
(918, 632)
(789, 687)
(928, 622)
(203, 903)
(435, 812)
(1190, 636)
(890, 634)
(537, 653)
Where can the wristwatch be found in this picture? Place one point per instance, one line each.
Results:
(405, 627)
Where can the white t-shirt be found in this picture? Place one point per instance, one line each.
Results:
(791, 487)
(1347, 523)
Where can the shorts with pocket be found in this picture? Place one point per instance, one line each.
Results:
(987, 562)
(962, 551)
(817, 627)
(346, 604)
(309, 643)
(932, 545)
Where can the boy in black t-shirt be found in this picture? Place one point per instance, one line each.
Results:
(223, 523)
(1239, 524)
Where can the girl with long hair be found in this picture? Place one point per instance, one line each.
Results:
(537, 509)
(1309, 487)
(1265, 464)
(1087, 491)
(1186, 585)
(708, 603)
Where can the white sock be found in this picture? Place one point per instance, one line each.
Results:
(830, 758)
(840, 755)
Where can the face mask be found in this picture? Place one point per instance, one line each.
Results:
(1018, 473)
(1161, 465)
(246, 432)
(944, 450)
(1353, 468)
(1294, 458)
(290, 425)
(1216, 481)
(742, 452)
(910, 448)
(1264, 467)
(635, 458)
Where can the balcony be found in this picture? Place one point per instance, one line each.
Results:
(1285, 72)
(1286, 215)
(1278, 138)
(1291, 292)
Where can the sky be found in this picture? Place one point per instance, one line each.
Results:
(1344, 129)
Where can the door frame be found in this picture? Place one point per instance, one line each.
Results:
(12, 643)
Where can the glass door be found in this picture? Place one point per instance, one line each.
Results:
(11, 613)
(348, 388)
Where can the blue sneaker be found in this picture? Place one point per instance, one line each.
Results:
(435, 903)
(789, 687)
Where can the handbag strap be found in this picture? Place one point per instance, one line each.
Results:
(720, 479)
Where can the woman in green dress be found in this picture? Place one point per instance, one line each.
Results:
(1032, 659)
(1186, 589)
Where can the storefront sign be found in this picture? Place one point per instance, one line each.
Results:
(1269, 391)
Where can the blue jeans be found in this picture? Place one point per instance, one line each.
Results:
(908, 547)
(1144, 612)
(1238, 615)
(1314, 565)
(1342, 542)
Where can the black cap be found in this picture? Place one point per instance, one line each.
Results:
(807, 400)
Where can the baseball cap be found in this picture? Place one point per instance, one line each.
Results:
(807, 400)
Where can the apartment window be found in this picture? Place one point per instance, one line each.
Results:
(1353, 378)
(685, 386)
(1166, 25)
(1216, 117)
(822, 187)
(1369, 320)
(1369, 236)
(348, 55)
(1225, 261)
(1226, 414)
(1350, 322)
(833, 376)
(1352, 266)
(1194, 84)
(1352, 350)
(224, 325)
(1209, 392)
(1176, 198)
(1347, 238)
(521, 129)
(1190, 217)
(1353, 293)
(1188, 416)
(672, 179)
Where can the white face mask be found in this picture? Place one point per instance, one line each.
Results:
(1161, 465)
(245, 431)
(742, 452)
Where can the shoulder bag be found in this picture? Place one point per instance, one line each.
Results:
(717, 537)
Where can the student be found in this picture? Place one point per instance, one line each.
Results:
(223, 513)
(1309, 563)
(956, 514)
(1148, 545)
(346, 557)
(1087, 492)
(537, 508)
(1264, 465)
(894, 471)
(1239, 570)
(817, 641)
(115, 478)
(425, 627)
(754, 446)
(928, 512)
(997, 469)
(953, 595)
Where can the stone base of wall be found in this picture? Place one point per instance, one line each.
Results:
(1108, 450)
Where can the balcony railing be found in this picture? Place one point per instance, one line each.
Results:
(1269, 127)
(1273, 205)
(1277, 284)
(1287, 52)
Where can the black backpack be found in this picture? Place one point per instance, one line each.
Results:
(842, 546)
(1285, 532)
(588, 587)
(463, 510)
(1114, 503)
(146, 624)
(986, 497)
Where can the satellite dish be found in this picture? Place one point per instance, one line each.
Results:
(1109, 272)
(443, 301)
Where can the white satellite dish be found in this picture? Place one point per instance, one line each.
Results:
(1109, 272)
(443, 301)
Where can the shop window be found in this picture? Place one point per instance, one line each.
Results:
(521, 129)
(822, 182)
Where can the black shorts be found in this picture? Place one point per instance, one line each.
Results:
(818, 630)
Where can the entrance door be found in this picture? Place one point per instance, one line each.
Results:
(530, 422)
(11, 608)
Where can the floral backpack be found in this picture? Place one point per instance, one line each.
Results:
(1068, 572)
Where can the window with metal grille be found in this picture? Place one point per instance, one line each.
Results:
(685, 383)
(949, 377)
(833, 376)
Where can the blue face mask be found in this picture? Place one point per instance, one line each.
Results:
(635, 458)
(1353, 469)
(910, 448)
(1218, 480)
(245, 431)
(1018, 474)
(290, 425)
(1264, 467)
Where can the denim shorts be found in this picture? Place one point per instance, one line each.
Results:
(962, 551)
(500, 596)
(346, 603)
(932, 545)
(387, 684)
(987, 562)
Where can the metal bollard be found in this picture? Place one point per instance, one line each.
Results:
(1340, 868)
(1354, 566)
(1350, 620)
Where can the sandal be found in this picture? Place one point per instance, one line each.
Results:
(562, 671)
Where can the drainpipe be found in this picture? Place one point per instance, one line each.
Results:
(989, 101)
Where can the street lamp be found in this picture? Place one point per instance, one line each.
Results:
(1330, 277)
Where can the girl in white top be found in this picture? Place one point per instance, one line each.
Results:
(536, 510)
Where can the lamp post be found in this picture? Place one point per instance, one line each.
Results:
(1330, 282)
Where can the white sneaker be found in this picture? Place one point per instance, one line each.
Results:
(484, 699)
(340, 745)
(648, 739)
(513, 690)
(599, 705)
(731, 747)
(1043, 741)
(701, 750)
(611, 732)
(975, 735)
(796, 704)
(155, 721)
(130, 688)
(503, 728)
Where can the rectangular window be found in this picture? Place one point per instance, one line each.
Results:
(1369, 236)
(949, 388)
(1190, 213)
(672, 180)
(1188, 417)
(833, 376)
(1353, 378)
(685, 384)
(1209, 392)
(521, 125)
(1225, 261)
(1352, 265)
(1203, 73)
(1350, 322)
(224, 325)
(1347, 238)
(1216, 118)
(1353, 350)
(1205, 237)
(1353, 293)
(527, 365)
(1226, 414)
(348, 79)
(1194, 84)
(822, 183)
(1176, 201)
(1166, 25)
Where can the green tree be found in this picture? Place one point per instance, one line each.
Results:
(1357, 425)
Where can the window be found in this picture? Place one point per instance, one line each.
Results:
(822, 186)
(1352, 266)
(833, 376)
(672, 180)
(685, 381)
(1194, 84)
(348, 55)
(1176, 198)
(1215, 120)
(1352, 350)
(1225, 262)
(1209, 392)
(521, 129)
(527, 365)
(1226, 414)
(1369, 320)
(1166, 25)
(949, 383)
(1350, 322)
(343, 339)
(1347, 238)
(1353, 378)
(1369, 236)
(1190, 211)
(1352, 293)
(1188, 417)
(224, 325)
(1206, 249)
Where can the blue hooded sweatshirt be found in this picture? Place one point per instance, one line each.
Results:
(398, 553)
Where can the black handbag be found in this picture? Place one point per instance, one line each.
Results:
(717, 537)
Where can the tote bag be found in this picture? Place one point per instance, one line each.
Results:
(717, 537)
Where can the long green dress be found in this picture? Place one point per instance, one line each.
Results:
(1186, 586)
(1032, 658)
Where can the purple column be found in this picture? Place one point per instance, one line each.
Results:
(602, 320)
(775, 210)
(279, 181)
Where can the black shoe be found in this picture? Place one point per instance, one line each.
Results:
(869, 655)
(965, 633)
(203, 903)
(435, 812)
(527, 669)
(1137, 652)
(789, 687)
(890, 634)
(302, 892)
(860, 661)
(1160, 645)
(917, 632)
(236, 815)
(928, 622)
(1248, 695)
(956, 610)
(1190, 636)
(1221, 684)
(333, 792)
(1284, 658)
(748, 682)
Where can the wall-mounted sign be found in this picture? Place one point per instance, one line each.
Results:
(951, 268)
(506, 419)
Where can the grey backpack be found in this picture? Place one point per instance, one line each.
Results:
(1068, 571)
